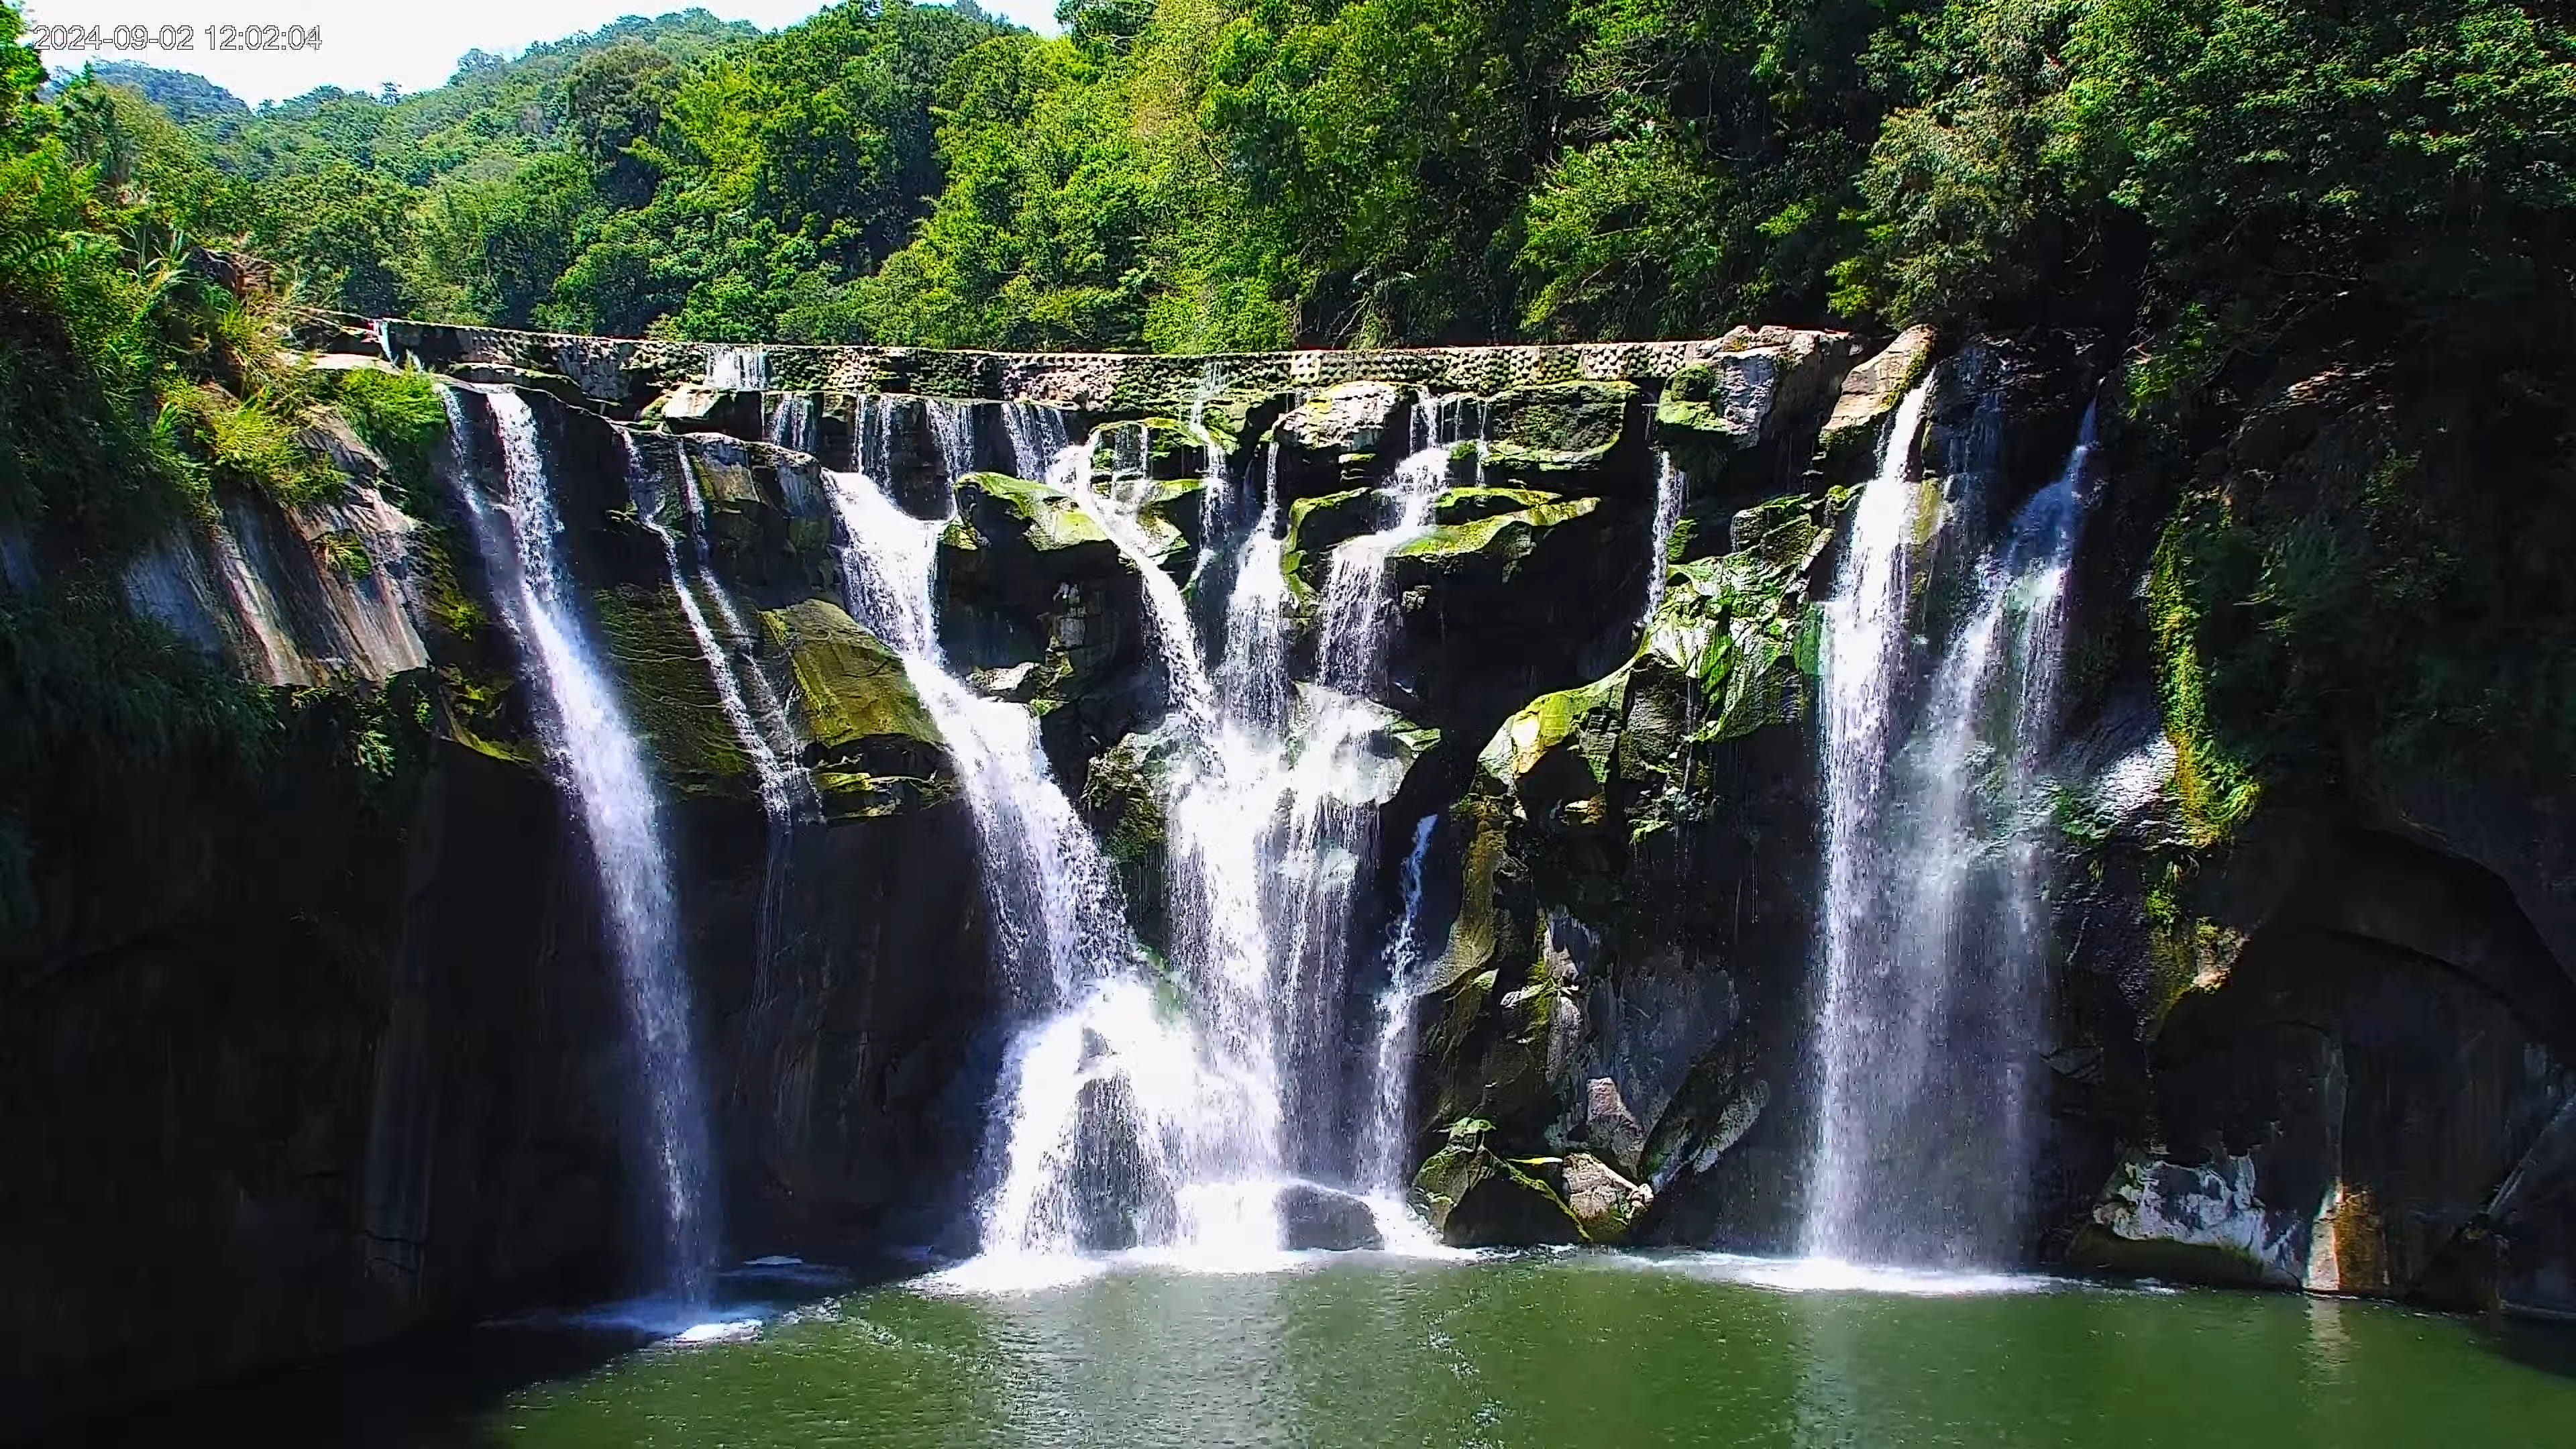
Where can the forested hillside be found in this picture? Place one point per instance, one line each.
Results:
(1197, 174)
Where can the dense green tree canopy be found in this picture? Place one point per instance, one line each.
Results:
(1185, 174)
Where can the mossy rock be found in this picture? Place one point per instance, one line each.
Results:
(1158, 448)
(1317, 526)
(1603, 1204)
(1475, 934)
(1475, 1197)
(691, 408)
(1468, 505)
(1350, 417)
(1044, 517)
(1235, 414)
(1722, 405)
(1557, 427)
(1174, 516)
(1123, 802)
(1510, 1205)
(1695, 402)
(873, 748)
(1554, 756)
(1738, 628)
(1847, 446)
(1500, 540)
(664, 679)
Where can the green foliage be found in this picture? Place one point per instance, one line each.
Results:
(1387, 146)
(1711, 165)
(398, 413)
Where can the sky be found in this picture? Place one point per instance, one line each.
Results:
(413, 43)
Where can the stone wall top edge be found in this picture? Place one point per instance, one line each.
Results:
(1657, 355)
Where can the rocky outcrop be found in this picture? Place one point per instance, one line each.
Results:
(301, 1057)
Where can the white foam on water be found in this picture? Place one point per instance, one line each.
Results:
(1835, 1275)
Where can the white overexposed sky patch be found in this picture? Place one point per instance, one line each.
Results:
(414, 45)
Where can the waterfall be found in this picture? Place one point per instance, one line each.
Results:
(1053, 900)
(1105, 1107)
(766, 739)
(792, 426)
(738, 369)
(1332, 802)
(952, 432)
(600, 765)
(1144, 1104)
(1671, 487)
(1382, 1143)
(1272, 797)
(1936, 970)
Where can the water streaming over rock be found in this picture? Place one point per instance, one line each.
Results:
(1934, 925)
(600, 764)
(1672, 487)
(742, 369)
(766, 740)
(1104, 1107)
(791, 423)
(1272, 788)
(1382, 1139)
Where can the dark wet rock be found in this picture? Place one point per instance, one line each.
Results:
(1319, 1218)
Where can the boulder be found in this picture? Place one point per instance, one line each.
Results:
(1470, 505)
(1317, 526)
(1347, 437)
(1543, 432)
(1039, 516)
(690, 408)
(1552, 759)
(1602, 1202)
(669, 692)
(1350, 417)
(1609, 1126)
(1767, 379)
(1322, 1219)
(1476, 1199)
(1123, 799)
(1848, 446)
(872, 746)
(1492, 545)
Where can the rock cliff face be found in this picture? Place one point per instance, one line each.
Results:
(297, 1062)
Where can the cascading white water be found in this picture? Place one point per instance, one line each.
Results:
(1332, 805)
(601, 766)
(1104, 1106)
(792, 425)
(1271, 813)
(952, 432)
(1055, 907)
(1672, 486)
(781, 784)
(738, 369)
(1382, 1141)
(1935, 943)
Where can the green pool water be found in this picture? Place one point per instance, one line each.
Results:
(1569, 1349)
